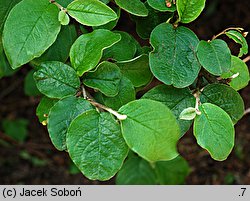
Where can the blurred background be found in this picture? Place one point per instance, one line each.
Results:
(27, 155)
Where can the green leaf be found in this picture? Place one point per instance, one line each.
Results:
(189, 10)
(5, 69)
(240, 39)
(56, 80)
(136, 171)
(172, 172)
(226, 98)
(188, 114)
(150, 129)
(30, 88)
(160, 5)
(60, 117)
(64, 3)
(137, 70)
(124, 50)
(214, 131)
(111, 25)
(59, 51)
(91, 12)
(238, 66)
(34, 32)
(214, 56)
(135, 7)
(43, 109)
(63, 18)
(176, 99)
(145, 25)
(96, 145)
(126, 94)
(105, 1)
(87, 50)
(6, 6)
(106, 79)
(16, 129)
(173, 60)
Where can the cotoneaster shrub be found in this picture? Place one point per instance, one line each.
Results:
(90, 102)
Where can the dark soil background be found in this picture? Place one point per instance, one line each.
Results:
(218, 15)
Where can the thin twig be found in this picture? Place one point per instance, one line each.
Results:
(247, 111)
(246, 59)
(57, 4)
(224, 31)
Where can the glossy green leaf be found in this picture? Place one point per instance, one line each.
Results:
(60, 117)
(172, 172)
(135, 7)
(87, 50)
(145, 25)
(105, 1)
(136, 171)
(34, 32)
(63, 18)
(176, 99)
(96, 145)
(59, 51)
(137, 70)
(240, 39)
(214, 131)
(43, 109)
(188, 114)
(30, 88)
(5, 69)
(111, 25)
(214, 56)
(226, 98)
(160, 5)
(106, 79)
(124, 50)
(189, 10)
(238, 67)
(64, 3)
(16, 129)
(56, 80)
(173, 60)
(126, 94)
(150, 129)
(91, 12)
(6, 6)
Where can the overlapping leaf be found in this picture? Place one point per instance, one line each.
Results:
(135, 7)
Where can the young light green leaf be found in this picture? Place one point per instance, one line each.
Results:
(150, 129)
(137, 70)
(160, 5)
(189, 10)
(56, 80)
(106, 79)
(30, 88)
(91, 12)
(124, 50)
(214, 131)
(34, 32)
(63, 18)
(59, 51)
(43, 109)
(87, 50)
(60, 117)
(240, 39)
(238, 66)
(172, 172)
(176, 99)
(173, 60)
(96, 145)
(136, 171)
(214, 56)
(226, 98)
(126, 94)
(135, 7)
(145, 25)
(188, 114)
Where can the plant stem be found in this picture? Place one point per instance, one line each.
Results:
(247, 111)
(246, 59)
(94, 103)
(57, 4)
(224, 31)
